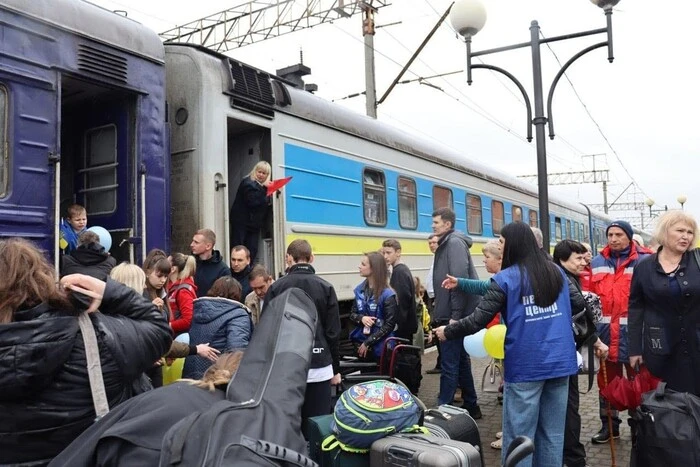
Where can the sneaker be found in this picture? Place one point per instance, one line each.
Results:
(474, 411)
(603, 436)
(434, 371)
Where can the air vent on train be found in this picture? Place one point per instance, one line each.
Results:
(252, 89)
(99, 62)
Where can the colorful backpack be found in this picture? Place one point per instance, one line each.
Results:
(372, 410)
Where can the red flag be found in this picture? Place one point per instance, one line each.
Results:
(277, 184)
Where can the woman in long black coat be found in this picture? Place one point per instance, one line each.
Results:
(250, 208)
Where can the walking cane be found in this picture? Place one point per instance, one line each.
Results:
(607, 410)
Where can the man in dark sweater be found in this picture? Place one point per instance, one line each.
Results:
(404, 286)
(210, 264)
(88, 258)
(240, 268)
(324, 370)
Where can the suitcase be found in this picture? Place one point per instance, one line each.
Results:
(403, 361)
(448, 421)
(319, 428)
(423, 451)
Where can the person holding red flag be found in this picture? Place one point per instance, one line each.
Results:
(250, 208)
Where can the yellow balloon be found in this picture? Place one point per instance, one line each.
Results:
(494, 341)
(172, 373)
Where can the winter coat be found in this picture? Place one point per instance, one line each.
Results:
(611, 280)
(664, 321)
(252, 302)
(208, 271)
(405, 288)
(131, 434)
(250, 206)
(90, 259)
(45, 397)
(181, 295)
(303, 276)
(385, 310)
(452, 257)
(225, 324)
(242, 278)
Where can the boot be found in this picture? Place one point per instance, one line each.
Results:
(603, 436)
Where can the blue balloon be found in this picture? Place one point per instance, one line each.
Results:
(474, 345)
(105, 236)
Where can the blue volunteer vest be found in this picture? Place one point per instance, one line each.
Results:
(368, 306)
(539, 342)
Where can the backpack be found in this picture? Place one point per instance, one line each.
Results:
(369, 411)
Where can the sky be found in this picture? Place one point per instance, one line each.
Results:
(638, 115)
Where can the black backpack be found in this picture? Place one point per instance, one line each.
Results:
(259, 423)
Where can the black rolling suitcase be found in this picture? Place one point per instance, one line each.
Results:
(454, 423)
(402, 361)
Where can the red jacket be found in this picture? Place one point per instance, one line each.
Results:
(611, 280)
(181, 294)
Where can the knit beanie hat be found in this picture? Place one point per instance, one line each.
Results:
(624, 225)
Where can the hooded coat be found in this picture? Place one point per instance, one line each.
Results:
(90, 259)
(45, 397)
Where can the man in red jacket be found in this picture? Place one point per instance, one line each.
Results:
(611, 279)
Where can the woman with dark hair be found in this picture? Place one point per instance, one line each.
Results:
(45, 396)
(219, 320)
(374, 308)
(540, 355)
(132, 434)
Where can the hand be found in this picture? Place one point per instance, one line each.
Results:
(440, 333)
(430, 338)
(267, 183)
(636, 361)
(450, 282)
(158, 302)
(210, 353)
(601, 350)
(336, 379)
(85, 285)
(362, 351)
(453, 321)
(368, 320)
(158, 362)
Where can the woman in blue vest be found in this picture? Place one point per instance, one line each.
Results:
(540, 354)
(374, 308)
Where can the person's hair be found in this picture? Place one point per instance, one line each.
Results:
(152, 258)
(417, 284)
(208, 234)
(300, 250)
(446, 214)
(433, 235)
(87, 237)
(220, 372)
(226, 287)
(538, 236)
(493, 247)
(564, 249)
(538, 276)
(588, 247)
(668, 220)
(241, 248)
(379, 275)
(27, 279)
(75, 210)
(258, 271)
(130, 275)
(392, 243)
(261, 165)
(186, 265)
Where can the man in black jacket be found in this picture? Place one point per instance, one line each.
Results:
(210, 264)
(241, 268)
(324, 370)
(404, 286)
(88, 258)
(452, 257)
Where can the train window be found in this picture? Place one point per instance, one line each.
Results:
(517, 213)
(474, 224)
(4, 147)
(100, 173)
(497, 217)
(574, 232)
(557, 229)
(568, 229)
(408, 206)
(581, 235)
(374, 197)
(442, 197)
(586, 234)
(533, 218)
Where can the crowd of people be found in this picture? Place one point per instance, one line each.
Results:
(195, 307)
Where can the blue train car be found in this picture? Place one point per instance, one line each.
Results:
(82, 120)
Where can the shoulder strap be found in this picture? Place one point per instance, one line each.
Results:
(179, 287)
(92, 353)
(696, 253)
(591, 369)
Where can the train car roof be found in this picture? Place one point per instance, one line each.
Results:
(94, 22)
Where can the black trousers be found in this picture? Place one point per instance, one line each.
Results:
(574, 452)
(317, 400)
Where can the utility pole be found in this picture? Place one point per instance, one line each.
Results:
(605, 183)
(368, 31)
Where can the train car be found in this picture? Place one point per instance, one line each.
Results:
(82, 120)
(355, 181)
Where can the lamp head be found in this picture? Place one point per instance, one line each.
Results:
(468, 17)
(649, 202)
(682, 199)
(605, 4)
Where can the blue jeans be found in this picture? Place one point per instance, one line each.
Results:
(456, 371)
(537, 410)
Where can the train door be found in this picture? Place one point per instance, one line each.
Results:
(98, 153)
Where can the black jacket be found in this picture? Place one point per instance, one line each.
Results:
(402, 283)
(664, 327)
(90, 259)
(242, 278)
(132, 434)
(303, 276)
(452, 257)
(45, 397)
(250, 206)
(391, 311)
(208, 271)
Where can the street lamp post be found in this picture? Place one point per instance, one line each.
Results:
(655, 212)
(468, 17)
(681, 200)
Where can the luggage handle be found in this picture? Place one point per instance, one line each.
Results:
(437, 413)
(277, 452)
(519, 449)
(398, 454)
(660, 391)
